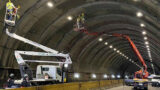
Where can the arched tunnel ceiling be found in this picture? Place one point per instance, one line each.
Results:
(50, 27)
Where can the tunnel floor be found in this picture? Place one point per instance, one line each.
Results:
(131, 88)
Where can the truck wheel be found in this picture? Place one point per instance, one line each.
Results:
(146, 88)
(134, 88)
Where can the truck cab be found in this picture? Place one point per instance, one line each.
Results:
(155, 81)
(53, 72)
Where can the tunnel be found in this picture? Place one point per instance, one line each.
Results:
(88, 52)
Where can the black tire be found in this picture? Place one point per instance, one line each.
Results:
(145, 88)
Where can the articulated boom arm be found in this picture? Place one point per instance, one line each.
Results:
(48, 51)
(135, 49)
(21, 61)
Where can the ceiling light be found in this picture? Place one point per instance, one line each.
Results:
(93, 75)
(76, 75)
(145, 38)
(118, 76)
(106, 43)
(147, 46)
(126, 77)
(50, 4)
(142, 25)
(105, 76)
(120, 53)
(117, 51)
(144, 33)
(136, 0)
(139, 14)
(146, 43)
(100, 39)
(65, 65)
(113, 76)
(110, 46)
(69, 18)
(148, 49)
(114, 49)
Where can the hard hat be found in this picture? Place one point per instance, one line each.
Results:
(25, 75)
(11, 75)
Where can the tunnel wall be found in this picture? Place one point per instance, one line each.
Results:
(92, 85)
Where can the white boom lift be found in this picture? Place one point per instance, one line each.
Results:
(53, 70)
(24, 68)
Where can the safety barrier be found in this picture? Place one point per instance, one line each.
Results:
(91, 85)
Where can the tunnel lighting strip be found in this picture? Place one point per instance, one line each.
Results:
(144, 33)
(118, 51)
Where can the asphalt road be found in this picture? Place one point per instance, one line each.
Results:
(131, 88)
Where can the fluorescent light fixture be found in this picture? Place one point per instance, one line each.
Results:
(110, 46)
(118, 76)
(147, 46)
(146, 42)
(114, 49)
(50, 4)
(100, 39)
(65, 65)
(139, 14)
(136, 0)
(126, 76)
(105, 76)
(145, 38)
(112, 76)
(106, 43)
(144, 33)
(69, 18)
(142, 25)
(93, 75)
(76, 75)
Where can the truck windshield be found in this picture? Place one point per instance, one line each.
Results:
(59, 71)
(45, 69)
(156, 78)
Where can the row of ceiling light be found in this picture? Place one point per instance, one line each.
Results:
(93, 76)
(118, 51)
(138, 14)
(50, 5)
(144, 33)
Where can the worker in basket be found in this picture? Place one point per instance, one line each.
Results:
(11, 10)
(80, 22)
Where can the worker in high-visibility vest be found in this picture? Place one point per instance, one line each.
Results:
(10, 7)
(80, 21)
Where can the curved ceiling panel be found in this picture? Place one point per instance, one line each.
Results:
(50, 27)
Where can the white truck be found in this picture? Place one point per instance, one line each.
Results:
(155, 81)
